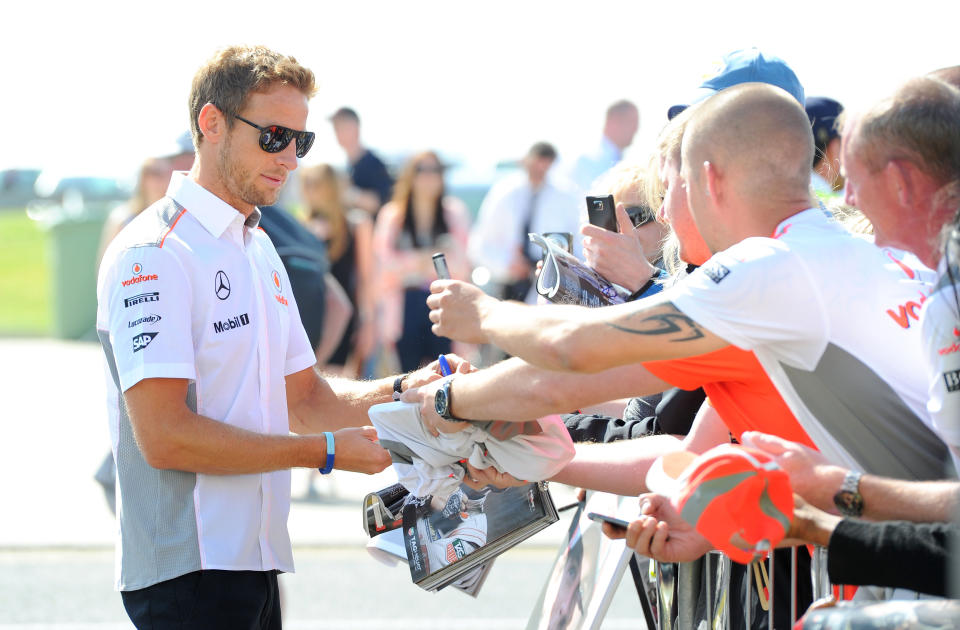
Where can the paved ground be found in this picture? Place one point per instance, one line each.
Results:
(56, 537)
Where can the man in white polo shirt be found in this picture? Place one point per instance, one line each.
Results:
(818, 307)
(209, 368)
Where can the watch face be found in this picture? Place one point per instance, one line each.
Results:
(440, 403)
(849, 503)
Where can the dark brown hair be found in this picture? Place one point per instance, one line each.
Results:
(227, 78)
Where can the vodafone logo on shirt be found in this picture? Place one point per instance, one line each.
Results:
(954, 347)
(138, 276)
(907, 312)
(278, 287)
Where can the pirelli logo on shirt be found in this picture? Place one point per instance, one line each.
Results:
(230, 324)
(715, 271)
(141, 299)
(952, 381)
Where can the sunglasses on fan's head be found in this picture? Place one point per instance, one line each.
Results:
(639, 215)
(275, 138)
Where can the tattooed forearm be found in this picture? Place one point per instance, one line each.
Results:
(664, 323)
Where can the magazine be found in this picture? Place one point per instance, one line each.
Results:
(586, 573)
(444, 543)
(566, 280)
(382, 510)
(389, 549)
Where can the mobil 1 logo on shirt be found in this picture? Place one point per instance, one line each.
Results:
(143, 340)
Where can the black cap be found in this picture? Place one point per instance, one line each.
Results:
(823, 113)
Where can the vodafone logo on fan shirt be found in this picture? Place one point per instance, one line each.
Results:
(907, 312)
(954, 347)
(138, 277)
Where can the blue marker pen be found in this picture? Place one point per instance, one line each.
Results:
(444, 366)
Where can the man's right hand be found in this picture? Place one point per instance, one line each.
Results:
(357, 451)
(457, 310)
(424, 397)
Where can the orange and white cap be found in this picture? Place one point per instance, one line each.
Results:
(736, 497)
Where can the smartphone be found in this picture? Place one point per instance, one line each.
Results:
(602, 212)
(603, 518)
(440, 264)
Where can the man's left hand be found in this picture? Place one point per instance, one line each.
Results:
(661, 533)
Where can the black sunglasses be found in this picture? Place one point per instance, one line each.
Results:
(274, 138)
(639, 215)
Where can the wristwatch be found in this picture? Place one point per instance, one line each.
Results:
(848, 499)
(442, 401)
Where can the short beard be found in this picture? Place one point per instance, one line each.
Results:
(238, 181)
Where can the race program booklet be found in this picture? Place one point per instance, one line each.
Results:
(566, 280)
(389, 549)
(444, 543)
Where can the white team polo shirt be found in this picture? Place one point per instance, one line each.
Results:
(941, 339)
(190, 290)
(834, 320)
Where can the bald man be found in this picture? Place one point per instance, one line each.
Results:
(829, 316)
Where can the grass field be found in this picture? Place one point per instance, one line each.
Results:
(24, 281)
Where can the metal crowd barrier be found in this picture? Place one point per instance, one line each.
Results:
(696, 595)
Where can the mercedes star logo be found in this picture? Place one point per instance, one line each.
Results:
(222, 285)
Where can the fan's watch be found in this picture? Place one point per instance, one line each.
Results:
(848, 499)
(442, 401)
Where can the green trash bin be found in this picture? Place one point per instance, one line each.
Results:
(74, 240)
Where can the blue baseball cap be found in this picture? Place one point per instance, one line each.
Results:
(746, 66)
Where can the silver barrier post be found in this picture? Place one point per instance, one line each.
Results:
(793, 586)
(709, 594)
(687, 590)
(770, 594)
(749, 598)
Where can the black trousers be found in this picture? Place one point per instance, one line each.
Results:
(208, 599)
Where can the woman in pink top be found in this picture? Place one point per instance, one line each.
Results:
(420, 221)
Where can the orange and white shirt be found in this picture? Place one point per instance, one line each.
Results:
(191, 290)
(738, 388)
(834, 321)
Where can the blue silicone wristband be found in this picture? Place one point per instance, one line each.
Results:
(331, 451)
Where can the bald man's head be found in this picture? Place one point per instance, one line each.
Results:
(950, 74)
(758, 137)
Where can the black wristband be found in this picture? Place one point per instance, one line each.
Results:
(398, 385)
(646, 287)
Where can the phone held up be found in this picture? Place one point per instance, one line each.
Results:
(603, 518)
(440, 264)
(602, 213)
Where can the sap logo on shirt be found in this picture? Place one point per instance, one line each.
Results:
(715, 271)
(143, 340)
(149, 319)
(952, 380)
(230, 324)
(140, 299)
(906, 312)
